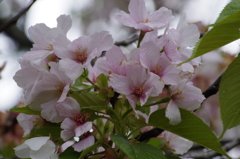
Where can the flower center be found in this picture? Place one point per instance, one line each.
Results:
(177, 96)
(79, 119)
(49, 47)
(81, 55)
(138, 91)
(156, 69)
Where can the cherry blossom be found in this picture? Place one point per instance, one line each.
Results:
(37, 148)
(75, 124)
(77, 54)
(137, 85)
(175, 143)
(183, 95)
(140, 19)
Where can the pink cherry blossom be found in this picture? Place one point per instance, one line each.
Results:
(37, 148)
(137, 85)
(26, 122)
(140, 19)
(175, 143)
(183, 95)
(181, 40)
(78, 54)
(159, 64)
(113, 62)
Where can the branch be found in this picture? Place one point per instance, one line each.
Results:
(149, 134)
(200, 154)
(16, 18)
(213, 89)
(128, 41)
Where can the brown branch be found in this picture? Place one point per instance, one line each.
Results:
(16, 18)
(201, 154)
(213, 89)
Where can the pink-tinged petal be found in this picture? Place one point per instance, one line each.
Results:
(72, 69)
(160, 18)
(37, 33)
(115, 55)
(68, 107)
(68, 125)
(153, 86)
(121, 84)
(81, 129)
(125, 19)
(102, 41)
(22, 151)
(190, 92)
(27, 75)
(64, 93)
(177, 144)
(190, 35)
(173, 113)
(170, 50)
(64, 22)
(50, 113)
(45, 151)
(135, 54)
(137, 74)
(138, 10)
(83, 144)
(188, 105)
(39, 140)
(60, 46)
(143, 115)
(26, 122)
(150, 36)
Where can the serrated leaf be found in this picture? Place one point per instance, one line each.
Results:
(89, 101)
(69, 153)
(232, 9)
(137, 150)
(224, 31)
(229, 96)
(26, 110)
(191, 127)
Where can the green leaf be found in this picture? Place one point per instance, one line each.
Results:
(224, 31)
(102, 81)
(137, 150)
(46, 129)
(69, 153)
(229, 94)
(26, 110)
(89, 101)
(191, 127)
(229, 13)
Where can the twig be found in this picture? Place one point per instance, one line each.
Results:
(201, 154)
(128, 41)
(149, 134)
(15, 19)
(213, 89)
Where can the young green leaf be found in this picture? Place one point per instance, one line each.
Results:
(89, 101)
(26, 110)
(229, 94)
(137, 150)
(191, 127)
(224, 31)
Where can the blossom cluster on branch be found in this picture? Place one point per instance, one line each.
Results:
(86, 102)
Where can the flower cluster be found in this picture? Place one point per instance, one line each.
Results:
(56, 70)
